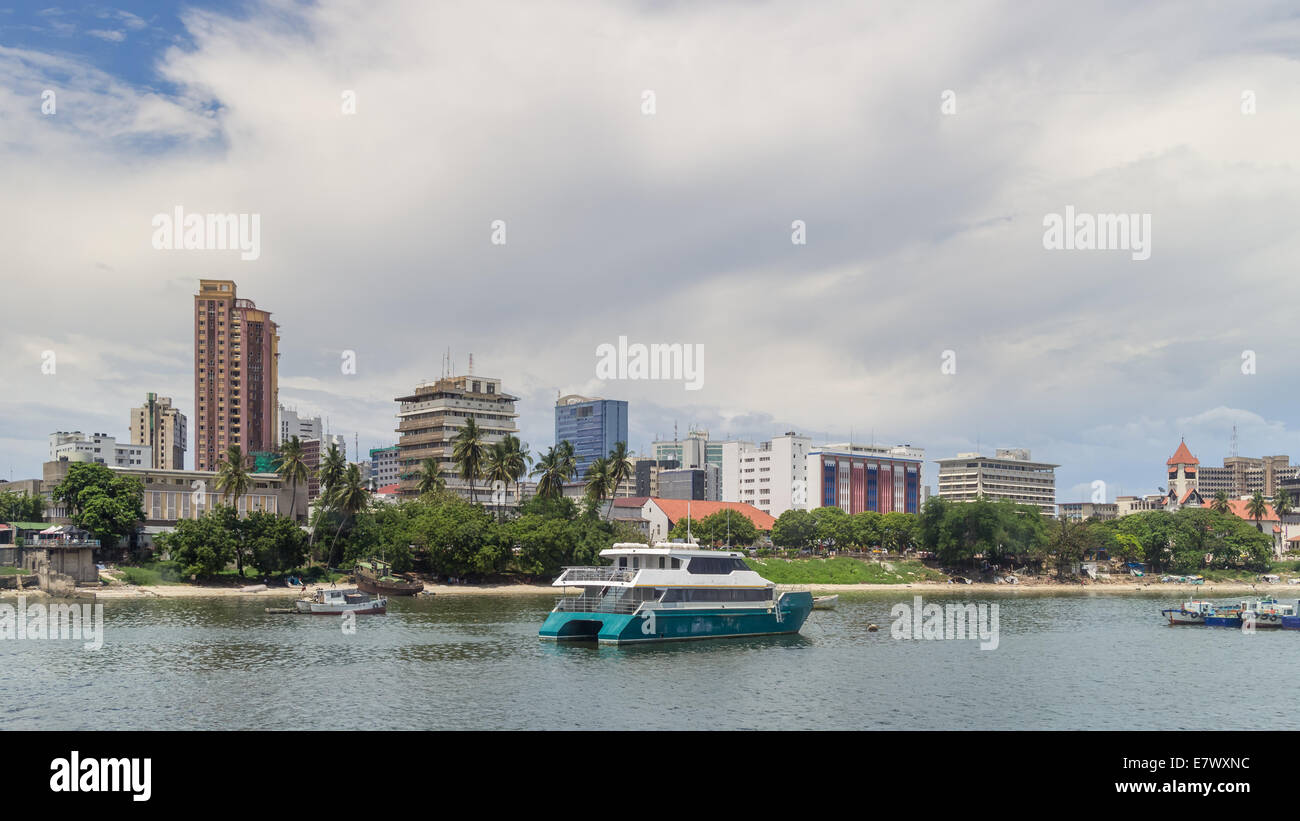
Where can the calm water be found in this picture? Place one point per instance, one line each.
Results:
(475, 662)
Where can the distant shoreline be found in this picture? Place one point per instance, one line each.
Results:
(1179, 591)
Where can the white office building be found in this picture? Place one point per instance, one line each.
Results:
(1009, 474)
(100, 448)
(772, 476)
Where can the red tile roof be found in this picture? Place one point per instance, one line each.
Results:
(387, 490)
(630, 501)
(676, 509)
(1238, 508)
(1182, 456)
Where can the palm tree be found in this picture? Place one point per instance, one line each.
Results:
(498, 469)
(550, 485)
(1221, 503)
(292, 469)
(469, 451)
(568, 459)
(1257, 508)
(431, 480)
(233, 478)
(349, 497)
(332, 469)
(1282, 502)
(597, 479)
(518, 460)
(620, 467)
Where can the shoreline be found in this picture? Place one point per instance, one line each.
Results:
(1181, 591)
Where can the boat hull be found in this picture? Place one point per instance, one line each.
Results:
(388, 588)
(1184, 617)
(682, 624)
(1223, 621)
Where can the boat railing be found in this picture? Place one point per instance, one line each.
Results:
(598, 604)
(597, 574)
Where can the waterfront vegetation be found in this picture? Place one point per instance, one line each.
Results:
(440, 533)
(843, 570)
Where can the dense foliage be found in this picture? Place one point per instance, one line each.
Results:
(21, 507)
(103, 502)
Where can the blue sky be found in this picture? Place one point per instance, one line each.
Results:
(924, 225)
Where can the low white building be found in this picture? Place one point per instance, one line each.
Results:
(100, 448)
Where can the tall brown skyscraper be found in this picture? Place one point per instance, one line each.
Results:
(160, 426)
(236, 374)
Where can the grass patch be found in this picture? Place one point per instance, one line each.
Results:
(10, 571)
(842, 570)
(1244, 576)
(150, 574)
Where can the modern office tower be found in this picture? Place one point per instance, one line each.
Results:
(430, 418)
(646, 470)
(236, 370)
(772, 476)
(593, 425)
(1009, 474)
(695, 451)
(856, 477)
(162, 428)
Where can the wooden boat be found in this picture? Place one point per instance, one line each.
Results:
(334, 602)
(376, 576)
(825, 602)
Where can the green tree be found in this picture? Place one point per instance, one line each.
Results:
(898, 531)
(620, 468)
(21, 507)
(499, 469)
(276, 544)
(867, 528)
(293, 469)
(333, 467)
(598, 481)
(468, 452)
(202, 546)
(794, 529)
(517, 460)
(834, 528)
(349, 498)
(1220, 503)
(1257, 508)
(431, 480)
(552, 474)
(233, 476)
(99, 500)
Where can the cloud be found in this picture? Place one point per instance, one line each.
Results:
(112, 36)
(924, 230)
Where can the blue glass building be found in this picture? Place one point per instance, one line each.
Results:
(593, 425)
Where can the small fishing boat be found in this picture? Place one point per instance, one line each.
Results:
(825, 602)
(377, 576)
(1269, 613)
(334, 602)
(1192, 612)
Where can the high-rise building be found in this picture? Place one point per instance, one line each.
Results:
(690, 483)
(430, 418)
(383, 466)
(160, 426)
(304, 427)
(1010, 474)
(695, 451)
(236, 374)
(593, 425)
(857, 478)
(772, 476)
(1239, 476)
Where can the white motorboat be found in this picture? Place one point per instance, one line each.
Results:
(336, 601)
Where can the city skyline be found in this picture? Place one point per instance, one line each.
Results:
(932, 221)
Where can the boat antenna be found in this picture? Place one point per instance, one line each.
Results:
(688, 522)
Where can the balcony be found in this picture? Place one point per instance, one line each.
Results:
(598, 604)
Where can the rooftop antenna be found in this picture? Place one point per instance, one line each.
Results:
(471, 365)
(1234, 441)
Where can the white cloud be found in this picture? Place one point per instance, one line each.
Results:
(924, 231)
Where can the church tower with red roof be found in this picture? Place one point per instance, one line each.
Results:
(1182, 470)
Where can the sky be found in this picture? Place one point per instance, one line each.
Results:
(653, 165)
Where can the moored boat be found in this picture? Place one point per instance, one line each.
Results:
(1269, 613)
(825, 602)
(375, 576)
(1192, 612)
(336, 601)
(671, 592)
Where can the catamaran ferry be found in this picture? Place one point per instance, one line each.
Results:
(671, 592)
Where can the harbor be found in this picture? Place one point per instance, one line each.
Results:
(475, 662)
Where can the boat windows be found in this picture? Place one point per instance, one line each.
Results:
(715, 567)
(661, 562)
(677, 563)
(622, 562)
(696, 594)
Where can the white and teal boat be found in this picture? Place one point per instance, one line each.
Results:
(671, 592)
